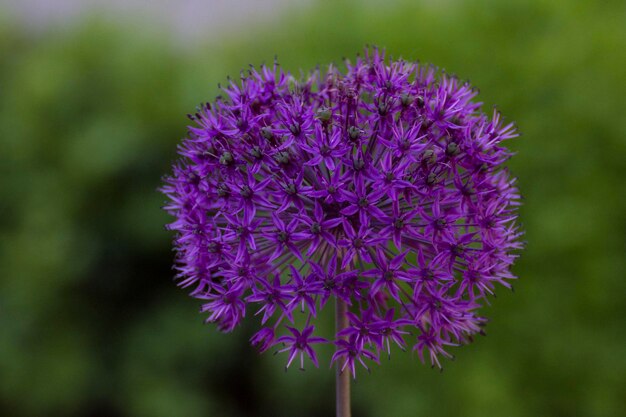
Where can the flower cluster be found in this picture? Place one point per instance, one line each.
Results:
(381, 186)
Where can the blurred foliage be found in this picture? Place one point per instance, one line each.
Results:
(91, 324)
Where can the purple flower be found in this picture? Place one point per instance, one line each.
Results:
(357, 244)
(292, 193)
(327, 189)
(331, 280)
(263, 339)
(363, 329)
(382, 187)
(300, 343)
(280, 236)
(364, 202)
(351, 351)
(434, 344)
(390, 330)
(304, 291)
(325, 147)
(271, 295)
(317, 228)
(388, 274)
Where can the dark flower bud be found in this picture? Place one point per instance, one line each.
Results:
(404, 144)
(282, 236)
(226, 158)
(256, 152)
(223, 190)
(429, 156)
(193, 177)
(406, 99)
(452, 149)
(213, 247)
(246, 192)
(316, 228)
(324, 114)
(291, 189)
(329, 284)
(255, 106)
(383, 108)
(267, 133)
(295, 129)
(458, 250)
(282, 157)
(354, 132)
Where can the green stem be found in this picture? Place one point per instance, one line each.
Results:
(342, 378)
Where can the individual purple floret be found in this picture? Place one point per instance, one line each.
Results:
(381, 187)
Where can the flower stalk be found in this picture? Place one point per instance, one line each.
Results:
(342, 377)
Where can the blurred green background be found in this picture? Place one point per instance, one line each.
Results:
(91, 323)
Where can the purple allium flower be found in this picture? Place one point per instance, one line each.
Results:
(381, 187)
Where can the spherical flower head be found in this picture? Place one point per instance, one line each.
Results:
(381, 186)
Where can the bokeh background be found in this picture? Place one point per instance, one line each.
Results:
(92, 102)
